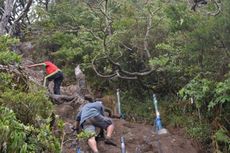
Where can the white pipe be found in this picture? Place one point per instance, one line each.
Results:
(155, 104)
(118, 102)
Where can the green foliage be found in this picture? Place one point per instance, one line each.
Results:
(221, 137)
(9, 57)
(177, 121)
(181, 115)
(18, 137)
(85, 135)
(160, 61)
(198, 131)
(180, 18)
(199, 89)
(6, 55)
(6, 42)
(189, 54)
(13, 133)
(139, 110)
(46, 141)
(12, 81)
(27, 106)
(222, 94)
(5, 80)
(174, 113)
(24, 122)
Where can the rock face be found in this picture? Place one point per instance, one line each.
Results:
(65, 111)
(24, 48)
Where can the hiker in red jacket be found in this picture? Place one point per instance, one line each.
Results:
(53, 73)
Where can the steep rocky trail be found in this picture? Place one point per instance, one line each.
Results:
(139, 138)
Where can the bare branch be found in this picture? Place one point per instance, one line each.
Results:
(129, 73)
(97, 37)
(218, 8)
(126, 47)
(25, 11)
(149, 26)
(99, 74)
(125, 77)
(197, 3)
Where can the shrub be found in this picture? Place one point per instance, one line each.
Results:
(135, 109)
(199, 131)
(6, 55)
(27, 106)
(18, 137)
(221, 140)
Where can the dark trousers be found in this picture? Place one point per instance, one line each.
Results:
(57, 78)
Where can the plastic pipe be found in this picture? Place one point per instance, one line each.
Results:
(118, 102)
(158, 119)
(123, 150)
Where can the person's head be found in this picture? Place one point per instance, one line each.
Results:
(88, 97)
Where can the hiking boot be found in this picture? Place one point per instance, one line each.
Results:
(98, 138)
(109, 141)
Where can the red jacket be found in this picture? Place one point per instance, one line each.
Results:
(50, 67)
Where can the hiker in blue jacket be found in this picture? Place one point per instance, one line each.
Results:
(91, 115)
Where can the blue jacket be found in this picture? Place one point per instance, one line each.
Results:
(90, 110)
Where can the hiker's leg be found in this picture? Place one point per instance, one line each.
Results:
(110, 129)
(104, 123)
(93, 144)
(47, 79)
(57, 83)
(89, 128)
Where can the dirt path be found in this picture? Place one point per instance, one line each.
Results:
(139, 138)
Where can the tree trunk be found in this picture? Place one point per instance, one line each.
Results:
(6, 15)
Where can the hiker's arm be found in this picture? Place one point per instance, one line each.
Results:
(34, 65)
(78, 118)
(77, 125)
(102, 110)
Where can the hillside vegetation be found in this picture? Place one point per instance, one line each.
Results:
(141, 47)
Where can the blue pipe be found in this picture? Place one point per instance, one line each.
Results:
(78, 150)
(158, 119)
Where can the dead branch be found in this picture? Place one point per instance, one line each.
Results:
(119, 72)
(98, 73)
(197, 3)
(218, 8)
(129, 73)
